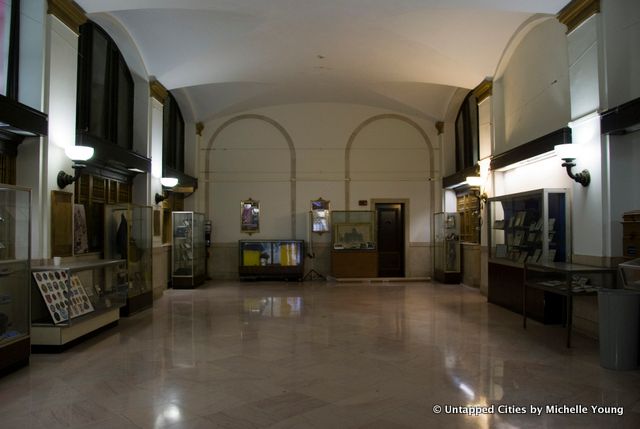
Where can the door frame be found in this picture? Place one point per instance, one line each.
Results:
(405, 222)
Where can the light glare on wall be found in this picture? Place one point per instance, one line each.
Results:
(475, 181)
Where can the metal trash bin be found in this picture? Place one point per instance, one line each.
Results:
(619, 322)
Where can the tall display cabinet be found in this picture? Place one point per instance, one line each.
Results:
(15, 260)
(129, 235)
(447, 248)
(189, 255)
(527, 227)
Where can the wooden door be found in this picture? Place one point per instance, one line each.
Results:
(390, 217)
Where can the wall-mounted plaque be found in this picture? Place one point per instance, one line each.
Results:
(250, 216)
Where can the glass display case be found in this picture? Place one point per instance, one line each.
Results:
(189, 255)
(565, 280)
(15, 254)
(71, 300)
(129, 235)
(630, 274)
(447, 247)
(271, 259)
(354, 244)
(527, 227)
(353, 230)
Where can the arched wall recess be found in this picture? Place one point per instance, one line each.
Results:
(292, 152)
(367, 122)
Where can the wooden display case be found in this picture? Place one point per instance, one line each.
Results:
(354, 246)
(527, 227)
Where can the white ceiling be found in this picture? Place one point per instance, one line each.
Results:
(229, 56)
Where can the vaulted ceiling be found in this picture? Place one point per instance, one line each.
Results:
(227, 56)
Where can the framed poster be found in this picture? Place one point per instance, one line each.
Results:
(319, 216)
(249, 216)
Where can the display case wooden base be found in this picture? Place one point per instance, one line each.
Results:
(189, 282)
(447, 277)
(15, 355)
(354, 263)
(59, 337)
(506, 289)
(136, 304)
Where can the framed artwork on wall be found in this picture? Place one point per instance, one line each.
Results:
(250, 216)
(319, 216)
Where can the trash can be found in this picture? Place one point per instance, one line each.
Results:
(619, 321)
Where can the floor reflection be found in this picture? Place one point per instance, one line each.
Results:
(289, 355)
(272, 306)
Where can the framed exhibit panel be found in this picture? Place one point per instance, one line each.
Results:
(62, 228)
(319, 216)
(250, 216)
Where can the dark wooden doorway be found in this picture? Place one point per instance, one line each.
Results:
(390, 217)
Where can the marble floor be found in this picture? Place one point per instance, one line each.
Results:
(322, 355)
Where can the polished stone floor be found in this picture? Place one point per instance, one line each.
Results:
(316, 355)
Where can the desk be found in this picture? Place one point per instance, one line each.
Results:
(567, 280)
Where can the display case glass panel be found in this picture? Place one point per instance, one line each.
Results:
(271, 258)
(189, 251)
(71, 300)
(447, 243)
(129, 236)
(353, 230)
(630, 274)
(530, 227)
(15, 218)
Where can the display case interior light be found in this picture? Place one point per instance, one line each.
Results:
(169, 182)
(79, 153)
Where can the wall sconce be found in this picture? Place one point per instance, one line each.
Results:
(568, 153)
(477, 182)
(160, 198)
(166, 182)
(79, 155)
(169, 182)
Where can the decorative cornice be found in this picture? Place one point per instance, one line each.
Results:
(576, 12)
(67, 11)
(440, 127)
(199, 128)
(483, 90)
(158, 91)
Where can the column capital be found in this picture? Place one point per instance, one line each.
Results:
(67, 11)
(576, 12)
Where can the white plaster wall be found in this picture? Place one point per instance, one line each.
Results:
(251, 158)
(622, 49)
(625, 176)
(32, 29)
(531, 96)
(586, 84)
(61, 57)
(485, 128)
